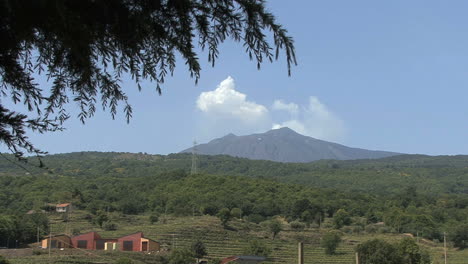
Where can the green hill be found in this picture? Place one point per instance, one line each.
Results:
(432, 174)
(421, 195)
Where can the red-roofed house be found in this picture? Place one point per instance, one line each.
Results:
(137, 242)
(93, 241)
(63, 208)
(86, 241)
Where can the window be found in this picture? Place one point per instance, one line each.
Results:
(128, 245)
(53, 244)
(82, 244)
(100, 244)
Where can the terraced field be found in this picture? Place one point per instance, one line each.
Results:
(182, 231)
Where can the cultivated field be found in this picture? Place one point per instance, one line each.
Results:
(178, 232)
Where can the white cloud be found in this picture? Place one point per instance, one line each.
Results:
(226, 110)
(280, 105)
(314, 120)
(226, 102)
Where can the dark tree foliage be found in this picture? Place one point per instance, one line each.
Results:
(4, 260)
(199, 249)
(459, 236)
(181, 256)
(85, 47)
(378, 252)
(411, 253)
(275, 227)
(257, 248)
(113, 182)
(225, 216)
(341, 218)
(330, 242)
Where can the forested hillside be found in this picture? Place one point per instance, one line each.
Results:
(417, 194)
(439, 174)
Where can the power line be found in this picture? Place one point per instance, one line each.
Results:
(194, 158)
(17, 164)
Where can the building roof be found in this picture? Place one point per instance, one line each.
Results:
(46, 237)
(63, 205)
(91, 232)
(132, 234)
(228, 259)
(243, 258)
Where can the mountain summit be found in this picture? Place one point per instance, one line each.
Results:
(284, 145)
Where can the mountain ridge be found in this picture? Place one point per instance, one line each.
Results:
(284, 145)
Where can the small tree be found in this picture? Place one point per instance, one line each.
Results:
(181, 256)
(257, 248)
(341, 218)
(411, 253)
(459, 236)
(109, 226)
(237, 212)
(225, 216)
(297, 226)
(378, 251)
(307, 217)
(198, 249)
(153, 218)
(100, 219)
(330, 242)
(275, 227)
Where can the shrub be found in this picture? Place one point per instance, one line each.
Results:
(341, 218)
(378, 251)
(37, 252)
(4, 260)
(459, 236)
(356, 229)
(225, 216)
(257, 248)
(371, 229)
(181, 256)
(297, 226)
(76, 231)
(275, 227)
(404, 252)
(198, 249)
(330, 242)
(347, 230)
(384, 230)
(256, 218)
(411, 253)
(100, 218)
(153, 219)
(124, 261)
(109, 226)
(237, 212)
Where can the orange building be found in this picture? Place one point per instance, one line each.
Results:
(137, 242)
(57, 241)
(93, 241)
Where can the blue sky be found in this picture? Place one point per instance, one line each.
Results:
(386, 75)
